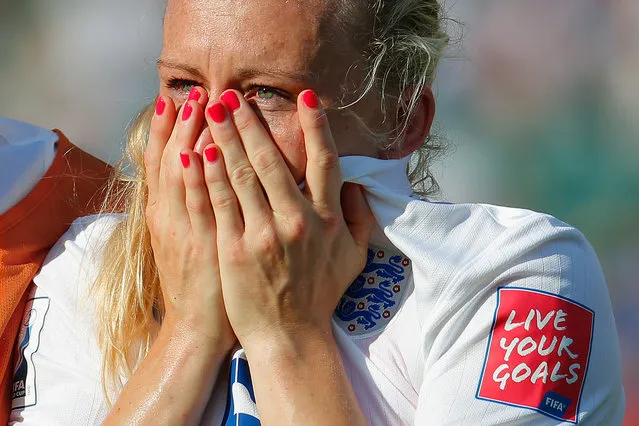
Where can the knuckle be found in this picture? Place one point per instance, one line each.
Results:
(222, 199)
(266, 160)
(268, 241)
(243, 175)
(196, 206)
(243, 123)
(327, 160)
(297, 228)
(332, 223)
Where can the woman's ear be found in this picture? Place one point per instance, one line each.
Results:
(418, 127)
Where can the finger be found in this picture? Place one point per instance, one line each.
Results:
(197, 201)
(242, 177)
(203, 141)
(222, 197)
(323, 177)
(262, 153)
(161, 127)
(357, 214)
(189, 121)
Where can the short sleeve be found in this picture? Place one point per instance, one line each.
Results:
(533, 343)
(57, 367)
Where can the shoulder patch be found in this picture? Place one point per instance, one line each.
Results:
(23, 388)
(538, 352)
(376, 294)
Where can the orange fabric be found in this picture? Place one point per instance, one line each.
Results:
(71, 188)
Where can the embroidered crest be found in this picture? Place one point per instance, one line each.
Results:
(375, 295)
(538, 351)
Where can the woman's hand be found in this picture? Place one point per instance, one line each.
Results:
(173, 384)
(181, 222)
(286, 257)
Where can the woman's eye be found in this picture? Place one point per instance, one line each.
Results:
(270, 99)
(265, 93)
(181, 85)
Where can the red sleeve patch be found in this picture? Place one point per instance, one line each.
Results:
(537, 354)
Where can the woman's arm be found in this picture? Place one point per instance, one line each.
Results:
(299, 378)
(286, 257)
(174, 382)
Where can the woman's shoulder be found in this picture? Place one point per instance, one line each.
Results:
(483, 228)
(71, 265)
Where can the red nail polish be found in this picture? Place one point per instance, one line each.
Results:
(217, 112)
(310, 99)
(159, 107)
(194, 95)
(231, 100)
(211, 154)
(186, 111)
(186, 160)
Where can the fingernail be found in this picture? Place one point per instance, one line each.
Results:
(159, 107)
(194, 95)
(310, 99)
(186, 160)
(211, 154)
(217, 112)
(231, 100)
(186, 111)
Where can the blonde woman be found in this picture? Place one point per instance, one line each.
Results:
(246, 285)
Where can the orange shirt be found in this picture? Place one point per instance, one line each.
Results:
(72, 187)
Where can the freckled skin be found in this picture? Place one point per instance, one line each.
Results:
(224, 38)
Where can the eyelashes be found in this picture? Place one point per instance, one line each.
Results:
(262, 95)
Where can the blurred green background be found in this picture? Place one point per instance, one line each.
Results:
(538, 100)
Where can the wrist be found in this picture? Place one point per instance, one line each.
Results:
(290, 346)
(188, 333)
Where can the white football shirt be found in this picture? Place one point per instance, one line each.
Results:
(465, 314)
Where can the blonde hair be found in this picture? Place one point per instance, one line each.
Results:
(405, 41)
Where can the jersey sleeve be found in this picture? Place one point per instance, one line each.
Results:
(57, 367)
(534, 340)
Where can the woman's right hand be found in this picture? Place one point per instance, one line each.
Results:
(181, 221)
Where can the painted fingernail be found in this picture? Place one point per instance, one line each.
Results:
(211, 154)
(310, 99)
(186, 112)
(231, 100)
(217, 112)
(159, 107)
(186, 160)
(194, 95)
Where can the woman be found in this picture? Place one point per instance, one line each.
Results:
(238, 230)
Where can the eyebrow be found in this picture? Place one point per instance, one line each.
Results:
(195, 72)
(298, 77)
(246, 73)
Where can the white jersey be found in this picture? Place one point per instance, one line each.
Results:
(464, 315)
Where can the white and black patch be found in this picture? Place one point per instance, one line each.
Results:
(23, 388)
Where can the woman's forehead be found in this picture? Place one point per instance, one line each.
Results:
(241, 29)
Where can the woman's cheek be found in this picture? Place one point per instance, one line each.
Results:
(289, 138)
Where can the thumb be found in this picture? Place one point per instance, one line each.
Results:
(357, 214)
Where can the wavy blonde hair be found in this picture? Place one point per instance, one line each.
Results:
(404, 44)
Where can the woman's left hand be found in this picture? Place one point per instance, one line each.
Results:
(286, 256)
